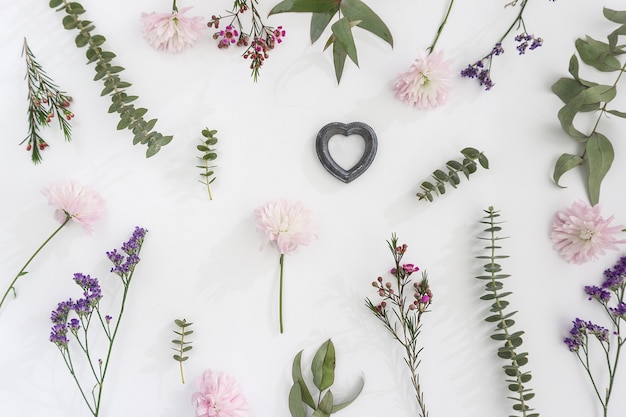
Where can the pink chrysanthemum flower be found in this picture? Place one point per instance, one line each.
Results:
(219, 395)
(287, 224)
(83, 205)
(581, 234)
(427, 83)
(171, 32)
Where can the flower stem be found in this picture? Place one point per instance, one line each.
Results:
(23, 270)
(431, 48)
(174, 8)
(280, 294)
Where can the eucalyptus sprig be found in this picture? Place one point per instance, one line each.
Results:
(501, 316)
(351, 13)
(323, 370)
(581, 96)
(208, 155)
(131, 118)
(467, 166)
(182, 345)
(45, 100)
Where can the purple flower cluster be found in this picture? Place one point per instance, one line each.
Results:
(581, 330)
(58, 335)
(598, 293)
(614, 278)
(478, 70)
(124, 265)
(523, 40)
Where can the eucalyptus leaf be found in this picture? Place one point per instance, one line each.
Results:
(617, 113)
(369, 20)
(565, 163)
(597, 54)
(296, 375)
(343, 33)
(323, 366)
(614, 15)
(600, 157)
(319, 22)
(326, 404)
(296, 408)
(339, 59)
(311, 6)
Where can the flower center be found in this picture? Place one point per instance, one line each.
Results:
(586, 234)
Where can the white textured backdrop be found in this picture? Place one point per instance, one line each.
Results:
(201, 258)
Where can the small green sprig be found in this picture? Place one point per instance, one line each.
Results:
(45, 100)
(182, 345)
(131, 118)
(351, 13)
(208, 155)
(467, 166)
(581, 96)
(323, 370)
(512, 341)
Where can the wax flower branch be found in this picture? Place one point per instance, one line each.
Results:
(73, 319)
(45, 101)
(72, 202)
(287, 225)
(401, 311)
(258, 40)
(609, 341)
(481, 69)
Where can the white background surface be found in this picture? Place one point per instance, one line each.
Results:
(201, 259)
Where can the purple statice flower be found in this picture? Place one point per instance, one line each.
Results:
(108, 318)
(74, 325)
(82, 307)
(580, 331)
(124, 265)
(597, 293)
(523, 40)
(482, 74)
(619, 311)
(134, 243)
(602, 333)
(59, 316)
(614, 277)
(58, 335)
(91, 288)
(497, 49)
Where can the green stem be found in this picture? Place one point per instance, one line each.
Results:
(280, 295)
(431, 48)
(174, 8)
(22, 271)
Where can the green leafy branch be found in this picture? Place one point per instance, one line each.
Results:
(131, 118)
(44, 102)
(581, 96)
(182, 345)
(323, 370)
(467, 166)
(512, 341)
(352, 13)
(208, 154)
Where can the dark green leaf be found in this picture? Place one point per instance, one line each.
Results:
(296, 375)
(343, 33)
(55, 3)
(339, 59)
(600, 156)
(323, 366)
(81, 40)
(614, 15)
(311, 6)
(326, 404)
(565, 163)
(319, 22)
(356, 10)
(617, 113)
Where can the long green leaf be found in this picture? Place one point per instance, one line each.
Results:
(296, 375)
(304, 6)
(600, 157)
(597, 54)
(343, 33)
(319, 22)
(614, 15)
(295, 401)
(357, 10)
(565, 163)
(323, 366)
(326, 404)
(339, 59)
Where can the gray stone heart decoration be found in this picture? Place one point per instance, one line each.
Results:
(354, 128)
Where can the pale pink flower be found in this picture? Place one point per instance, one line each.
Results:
(171, 32)
(219, 395)
(287, 224)
(83, 205)
(427, 83)
(581, 234)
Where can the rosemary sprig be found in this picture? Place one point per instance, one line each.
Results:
(45, 100)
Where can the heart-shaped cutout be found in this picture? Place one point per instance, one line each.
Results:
(354, 128)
